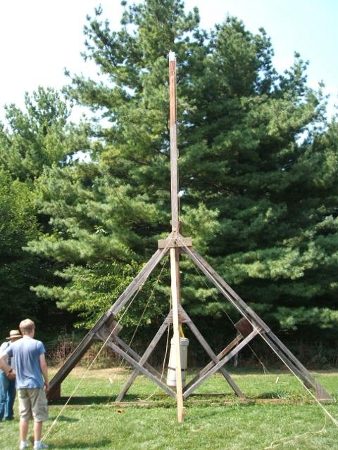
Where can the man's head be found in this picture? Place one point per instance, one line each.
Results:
(27, 327)
(14, 335)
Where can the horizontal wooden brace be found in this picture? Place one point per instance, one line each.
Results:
(175, 242)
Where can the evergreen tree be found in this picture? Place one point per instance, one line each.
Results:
(18, 269)
(258, 165)
(37, 137)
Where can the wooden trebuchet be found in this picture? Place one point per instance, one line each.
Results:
(80, 350)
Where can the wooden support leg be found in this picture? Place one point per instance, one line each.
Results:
(211, 354)
(270, 338)
(295, 365)
(80, 350)
(140, 368)
(143, 359)
(211, 364)
(72, 360)
(221, 363)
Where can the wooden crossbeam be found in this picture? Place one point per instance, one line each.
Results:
(215, 359)
(144, 358)
(220, 363)
(77, 354)
(175, 242)
(270, 338)
(140, 368)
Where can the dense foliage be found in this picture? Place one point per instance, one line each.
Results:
(258, 169)
(32, 140)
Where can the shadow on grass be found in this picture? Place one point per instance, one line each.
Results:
(64, 419)
(108, 399)
(103, 443)
(85, 400)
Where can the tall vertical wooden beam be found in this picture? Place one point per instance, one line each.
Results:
(175, 252)
(173, 144)
(174, 268)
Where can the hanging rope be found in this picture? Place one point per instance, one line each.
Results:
(203, 279)
(94, 359)
(140, 320)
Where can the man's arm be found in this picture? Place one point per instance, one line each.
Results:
(44, 370)
(10, 373)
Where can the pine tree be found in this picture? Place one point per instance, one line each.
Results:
(257, 162)
(33, 139)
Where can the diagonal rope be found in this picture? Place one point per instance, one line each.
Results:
(203, 279)
(328, 414)
(122, 362)
(89, 367)
(95, 358)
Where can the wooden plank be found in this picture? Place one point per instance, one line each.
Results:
(297, 367)
(136, 356)
(144, 358)
(220, 355)
(136, 284)
(120, 342)
(211, 354)
(174, 271)
(80, 350)
(226, 290)
(173, 143)
(71, 361)
(174, 242)
(140, 368)
(221, 363)
(253, 318)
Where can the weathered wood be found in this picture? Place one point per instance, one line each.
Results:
(226, 290)
(173, 144)
(211, 364)
(135, 285)
(174, 242)
(243, 326)
(221, 363)
(134, 355)
(287, 358)
(297, 367)
(175, 292)
(80, 350)
(140, 368)
(144, 358)
(71, 361)
(211, 354)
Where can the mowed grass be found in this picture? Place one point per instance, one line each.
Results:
(278, 413)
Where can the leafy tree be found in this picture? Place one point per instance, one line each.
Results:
(39, 136)
(258, 165)
(33, 139)
(17, 269)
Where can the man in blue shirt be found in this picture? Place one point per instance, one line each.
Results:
(7, 384)
(31, 381)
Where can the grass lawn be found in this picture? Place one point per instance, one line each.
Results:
(278, 413)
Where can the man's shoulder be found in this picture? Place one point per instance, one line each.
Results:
(3, 346)
(39, 345)
(28, 345)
